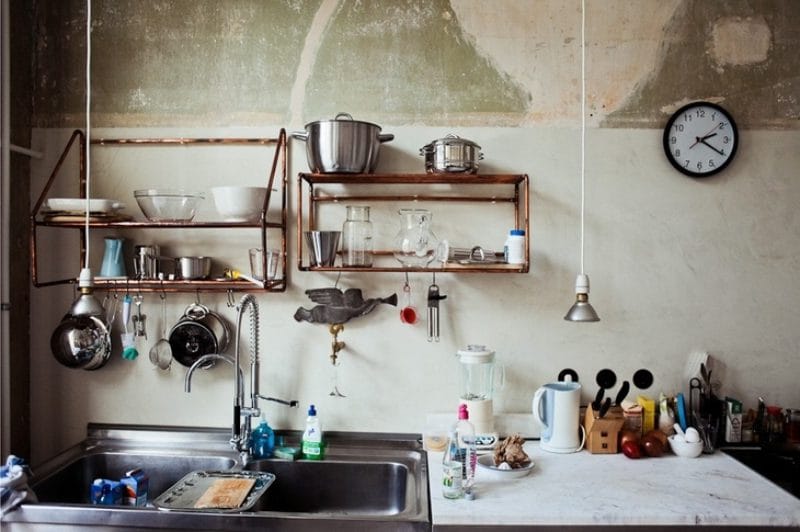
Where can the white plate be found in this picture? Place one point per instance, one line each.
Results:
(486, 466)
(97, 205)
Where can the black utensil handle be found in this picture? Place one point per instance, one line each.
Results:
(605, 407)
(597, 399)
(623, 392)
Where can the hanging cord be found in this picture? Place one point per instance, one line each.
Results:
(583, 122)
(88, 123)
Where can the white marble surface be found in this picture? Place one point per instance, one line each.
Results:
(592, 489)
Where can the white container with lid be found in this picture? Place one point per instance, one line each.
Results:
(514, 248)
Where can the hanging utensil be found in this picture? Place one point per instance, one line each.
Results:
(129, 351)
(408, 312)
(139, 323)
(434, 296)
(161, 352)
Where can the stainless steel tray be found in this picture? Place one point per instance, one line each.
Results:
(185, 493)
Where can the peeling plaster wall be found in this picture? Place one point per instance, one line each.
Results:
(676, 264)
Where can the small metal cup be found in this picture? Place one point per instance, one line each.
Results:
(322, 247)
(145, 261)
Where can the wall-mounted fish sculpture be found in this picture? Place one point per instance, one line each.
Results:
(335, 306)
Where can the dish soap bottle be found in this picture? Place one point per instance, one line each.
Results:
(263, 440)
(452, 486)
(465, 432)
(312, 437)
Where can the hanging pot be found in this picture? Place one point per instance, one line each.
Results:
(342, 145)
(451, 154)
(199, 332)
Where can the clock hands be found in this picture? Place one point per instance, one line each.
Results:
(702, 140)
(712, 147)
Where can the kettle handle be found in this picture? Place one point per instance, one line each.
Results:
(536, 406)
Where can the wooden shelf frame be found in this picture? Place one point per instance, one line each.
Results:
(277, 171)
(311, 194)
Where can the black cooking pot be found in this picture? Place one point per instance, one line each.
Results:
(342, 145)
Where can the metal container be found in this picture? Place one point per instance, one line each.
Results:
(342, 145)
(451, 154)
(193, 267)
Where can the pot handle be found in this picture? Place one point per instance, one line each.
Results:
(300, 135)
(196, 312)
(385, 137)
(343, 115)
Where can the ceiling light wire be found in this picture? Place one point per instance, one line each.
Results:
(88, 124)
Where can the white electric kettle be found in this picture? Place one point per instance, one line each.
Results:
(556, 406)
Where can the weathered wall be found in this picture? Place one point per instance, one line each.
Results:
(676, 264)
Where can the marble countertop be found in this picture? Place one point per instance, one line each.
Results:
(610, 489)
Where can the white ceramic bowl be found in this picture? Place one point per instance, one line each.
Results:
(684, 448)
(167, 205)
(239, 204)
(486, 467)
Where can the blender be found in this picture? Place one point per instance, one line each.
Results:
(478, 375)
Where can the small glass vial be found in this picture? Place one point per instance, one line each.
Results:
(357, 238)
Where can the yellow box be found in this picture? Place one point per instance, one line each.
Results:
(649, 413)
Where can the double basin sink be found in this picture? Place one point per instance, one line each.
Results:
(368, 481)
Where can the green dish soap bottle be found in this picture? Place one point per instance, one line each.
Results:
(312, 437)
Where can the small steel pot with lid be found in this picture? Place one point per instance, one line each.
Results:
(451, 154)
(342, 145)
(199, 332)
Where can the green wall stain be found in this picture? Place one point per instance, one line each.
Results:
(408, 60)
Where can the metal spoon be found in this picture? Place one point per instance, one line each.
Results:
(161, 352)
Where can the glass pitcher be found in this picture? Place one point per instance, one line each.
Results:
(415, 245)
(480, 374)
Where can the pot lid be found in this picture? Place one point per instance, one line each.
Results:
(344, 118)
(450, 140)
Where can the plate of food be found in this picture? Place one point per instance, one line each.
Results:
(508, 461)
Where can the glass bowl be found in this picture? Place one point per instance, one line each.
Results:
(167, 205)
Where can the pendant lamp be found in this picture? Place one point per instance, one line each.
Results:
(82, 339)
(582, 310)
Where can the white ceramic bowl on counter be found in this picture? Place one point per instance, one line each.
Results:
(683, 448)
(239, 204)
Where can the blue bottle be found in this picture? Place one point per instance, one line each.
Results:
(263, 440)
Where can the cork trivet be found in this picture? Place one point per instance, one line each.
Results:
(226, 493)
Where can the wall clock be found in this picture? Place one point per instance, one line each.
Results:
(700, 139)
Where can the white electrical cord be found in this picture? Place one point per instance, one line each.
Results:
(583, 122)
(88, 124)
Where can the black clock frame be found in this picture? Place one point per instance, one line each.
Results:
(668, 127)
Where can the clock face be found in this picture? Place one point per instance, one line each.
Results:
(700, 139)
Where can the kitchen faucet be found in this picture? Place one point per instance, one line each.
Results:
(242, 414)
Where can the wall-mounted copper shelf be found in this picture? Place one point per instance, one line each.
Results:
(311, 193)
(38, 220)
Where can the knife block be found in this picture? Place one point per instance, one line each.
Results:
(602, 434)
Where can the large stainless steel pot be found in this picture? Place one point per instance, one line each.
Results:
(342, 145)
(451, 154)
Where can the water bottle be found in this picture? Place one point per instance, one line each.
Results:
(452, 483)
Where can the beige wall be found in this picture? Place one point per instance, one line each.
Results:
(677, 264)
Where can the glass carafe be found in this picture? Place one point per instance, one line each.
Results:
(415, 244)
(357, 238)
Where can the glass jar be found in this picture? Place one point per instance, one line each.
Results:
(415, 245)
(357, 238)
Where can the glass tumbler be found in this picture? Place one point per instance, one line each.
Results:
(357, 238)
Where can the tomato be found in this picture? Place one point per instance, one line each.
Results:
(631, 449)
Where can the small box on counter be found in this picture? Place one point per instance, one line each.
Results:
(733, 420)
(106, 492)
(135, 486)
(602, 433)
(648, 413)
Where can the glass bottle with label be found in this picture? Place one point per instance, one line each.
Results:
(452, 469)
(357, 238)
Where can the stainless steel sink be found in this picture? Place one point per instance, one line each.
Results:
(367, 481)
(70, 484)
(358, 483)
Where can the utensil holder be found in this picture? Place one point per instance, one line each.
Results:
(602, 433)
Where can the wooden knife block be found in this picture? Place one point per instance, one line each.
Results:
(602, 434)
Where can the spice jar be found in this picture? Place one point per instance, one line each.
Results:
(357, 237)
